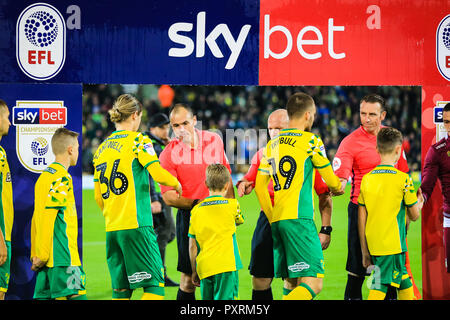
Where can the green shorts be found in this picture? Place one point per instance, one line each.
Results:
(297, 251)
(58, 282)
(134, 260)
(222, 286)
(389, 270)
(5, 269)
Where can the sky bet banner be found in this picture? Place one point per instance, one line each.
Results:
(37, 110)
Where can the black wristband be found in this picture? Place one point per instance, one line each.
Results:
(326, 230)
(194, 203)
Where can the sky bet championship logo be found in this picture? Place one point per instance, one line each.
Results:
(41, 41)
(36, 122)
(438, 120)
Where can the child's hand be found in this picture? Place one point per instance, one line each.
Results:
(195, 279)
(366, 260)
(420, 199)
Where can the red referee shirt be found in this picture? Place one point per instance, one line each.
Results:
(356, 156)
(188, 164)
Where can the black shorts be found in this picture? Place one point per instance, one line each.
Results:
(261, 260)
(354, 255)
(182, 228)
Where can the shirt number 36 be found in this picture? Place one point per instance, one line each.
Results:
(111, 181)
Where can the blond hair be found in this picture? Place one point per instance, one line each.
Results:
(217, 176)
(124, 107)
(62, 138)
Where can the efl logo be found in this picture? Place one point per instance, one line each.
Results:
(36, 122)
(443, 47)
(40, 116)
(41, 41)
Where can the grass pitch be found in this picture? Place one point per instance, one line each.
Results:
(98, 283)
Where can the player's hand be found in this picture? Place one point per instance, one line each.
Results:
(37, 264)
(343, 184)
(156, 207)
(341, 191)
(3, 252)
(179, 190)
(325, 240)
(366, 260)
(244, 188)
(420, 199)
(195, 279)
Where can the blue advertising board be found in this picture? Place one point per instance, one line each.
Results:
(168, 42)
(28, 150)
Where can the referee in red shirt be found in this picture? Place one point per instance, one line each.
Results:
(186, 157)
(355, 157)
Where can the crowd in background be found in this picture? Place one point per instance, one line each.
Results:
(248, 107)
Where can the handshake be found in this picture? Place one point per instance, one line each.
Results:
(341, 191)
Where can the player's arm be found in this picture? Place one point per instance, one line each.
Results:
(412, 203)
(261, 183)
(45, 224)
(247, 183)
(332, 181)
(193, 257)
(193, 250)
(3, 249)
(98, 194)
(325, 208)
(413, 212)
(323, 165)
(162, 176)
(154, 197)
(230, 190)
(429, 174)
(343, 163)
(171, 198)
(362, 219)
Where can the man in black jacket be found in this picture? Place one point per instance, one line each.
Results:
(162, 214)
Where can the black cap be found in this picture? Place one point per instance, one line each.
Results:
(158, 120)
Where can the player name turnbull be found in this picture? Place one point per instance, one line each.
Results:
(226, 309)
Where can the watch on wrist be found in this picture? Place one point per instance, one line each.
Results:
(326, 230)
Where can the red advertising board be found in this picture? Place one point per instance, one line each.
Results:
(435, 279)
(368, 43)
(350, 42)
